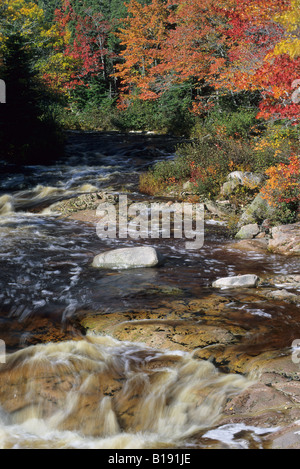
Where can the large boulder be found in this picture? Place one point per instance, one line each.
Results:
(257, 211)
(128, 258)
(239, 281)
(241, 178)
(285, 239)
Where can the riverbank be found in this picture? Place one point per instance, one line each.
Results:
(218, 365)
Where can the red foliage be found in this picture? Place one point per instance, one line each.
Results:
(87, 48)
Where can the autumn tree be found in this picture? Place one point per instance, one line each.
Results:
(80, 62)
(168, 43)
(144, 32)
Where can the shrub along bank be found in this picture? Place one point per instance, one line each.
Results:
(201, 166)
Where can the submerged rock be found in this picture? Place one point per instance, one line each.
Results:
(238, 281)
(128, 258)
(283, 295)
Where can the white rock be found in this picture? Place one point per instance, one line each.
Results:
(128, 258)
(238, 281)
(247, 178)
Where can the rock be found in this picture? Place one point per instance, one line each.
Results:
(239, 281)
(240, 178)
(256, 245)
(89, 201)
(247, 178)
(256, 212)
(220, 208)
(101, 388)
(126, 258)
(229, 187)
(248, 231)
(283, 295)
(261, 235)
(172, 325)
(285, 239)
(272, 402)
(291, 280)
(206, 328)
(188, 186)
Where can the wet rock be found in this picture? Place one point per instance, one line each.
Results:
(246, 178)
(172, 325)
(128, 258)
(248, 231)
(283, 295)
(89, 201)
(239, 281)
(255, 245)
(211, 331)
(100, 388)
(285, 239)
(271, 402)
(291, 280)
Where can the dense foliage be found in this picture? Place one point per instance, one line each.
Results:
(225, 72)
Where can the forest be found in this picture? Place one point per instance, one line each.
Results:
(224, 75)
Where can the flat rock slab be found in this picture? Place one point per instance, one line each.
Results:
(244, 281)
(128, 258)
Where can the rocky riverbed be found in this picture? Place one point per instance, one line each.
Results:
(95, 352)
(210, 329)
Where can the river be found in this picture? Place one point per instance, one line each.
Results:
(46, 280)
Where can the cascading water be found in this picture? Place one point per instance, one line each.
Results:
(102, 393)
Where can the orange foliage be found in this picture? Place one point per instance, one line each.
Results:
(166, 43)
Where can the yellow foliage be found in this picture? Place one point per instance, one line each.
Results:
(28, 20)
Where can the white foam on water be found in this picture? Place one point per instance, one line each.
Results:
(227, 434)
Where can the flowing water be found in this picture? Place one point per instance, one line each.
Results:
(81, 392)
